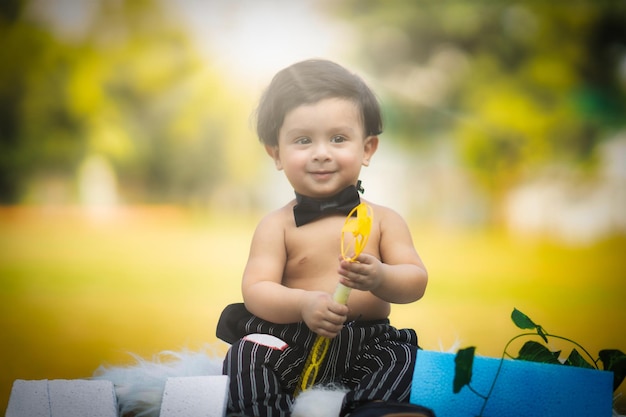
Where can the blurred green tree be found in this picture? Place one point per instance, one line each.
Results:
(21, 49)
(130, 87)
(515, 86)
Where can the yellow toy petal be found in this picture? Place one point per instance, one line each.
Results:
(360, 228)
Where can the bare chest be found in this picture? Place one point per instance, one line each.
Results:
(313, 254)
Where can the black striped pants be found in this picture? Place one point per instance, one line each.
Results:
(372, 359)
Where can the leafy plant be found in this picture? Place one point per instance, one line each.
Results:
(612, 360)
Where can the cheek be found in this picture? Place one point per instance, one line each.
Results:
(352, 158)
(294, 159)
(292, 164)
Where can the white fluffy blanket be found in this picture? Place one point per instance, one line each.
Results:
(139, 387)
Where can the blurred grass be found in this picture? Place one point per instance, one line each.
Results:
(79, 290)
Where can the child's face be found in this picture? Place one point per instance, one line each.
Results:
(322, 146)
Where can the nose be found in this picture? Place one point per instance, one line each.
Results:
(321, 152)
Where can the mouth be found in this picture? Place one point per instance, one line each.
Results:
(321, 174)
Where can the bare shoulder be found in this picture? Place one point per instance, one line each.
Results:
(395, 240)
(279, 217)
(272, 226)
(268, 242)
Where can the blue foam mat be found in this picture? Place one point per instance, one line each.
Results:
(522, 388)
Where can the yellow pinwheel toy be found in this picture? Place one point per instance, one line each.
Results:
(354, 235)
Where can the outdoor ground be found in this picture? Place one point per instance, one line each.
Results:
(80, 290)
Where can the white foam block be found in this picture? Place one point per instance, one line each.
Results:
(195, 396)
(29, 399)
(82, 398)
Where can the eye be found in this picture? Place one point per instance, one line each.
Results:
(302, 140)
(338, 139)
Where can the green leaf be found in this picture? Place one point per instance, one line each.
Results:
(575, 359)
(542, 333)
(521, 320)
(536, 352)
(615, 361)
(463, 363)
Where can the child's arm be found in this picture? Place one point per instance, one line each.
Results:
(266, 297)
(400, 276)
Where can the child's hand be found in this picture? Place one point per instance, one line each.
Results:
(364, 274)
(322, 314)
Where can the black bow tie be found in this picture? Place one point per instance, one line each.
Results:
(309, 209)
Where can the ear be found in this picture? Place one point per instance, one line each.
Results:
(369, 149)
(272, 151)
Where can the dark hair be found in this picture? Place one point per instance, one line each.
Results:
(308, 82)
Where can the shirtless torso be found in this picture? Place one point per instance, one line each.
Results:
(284, 258)
(313, 257)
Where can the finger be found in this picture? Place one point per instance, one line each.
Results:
(333, 327)
(350, 283)
(329, 335)
(338, 310)
(336, 320)
(353, 278)
(345, 265)
(328, 329)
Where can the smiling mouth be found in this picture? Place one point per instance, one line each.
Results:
(322, 176)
